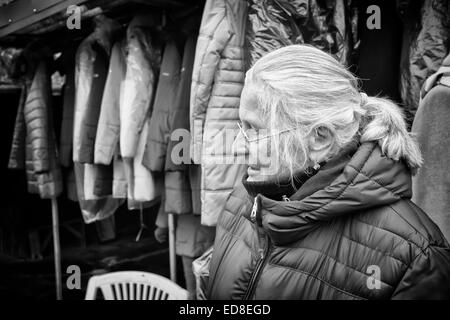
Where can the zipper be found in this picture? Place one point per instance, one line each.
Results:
(254, 210)
(257, 273)
(263, 254)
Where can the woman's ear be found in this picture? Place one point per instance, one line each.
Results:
(321, 143)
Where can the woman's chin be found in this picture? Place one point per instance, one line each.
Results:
(253, 175)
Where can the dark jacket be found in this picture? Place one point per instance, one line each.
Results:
(431, 184)
(66, 136)
(353, 216)
(177, 182)
(273, 24)
(17, 153)
(163, 107)
(426, 43)
(192, 238)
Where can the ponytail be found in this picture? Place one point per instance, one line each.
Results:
(383, 121)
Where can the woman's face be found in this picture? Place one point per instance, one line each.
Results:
(255, 138)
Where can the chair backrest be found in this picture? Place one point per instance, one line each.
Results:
(134, 285)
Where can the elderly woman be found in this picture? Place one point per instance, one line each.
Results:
(329, 216)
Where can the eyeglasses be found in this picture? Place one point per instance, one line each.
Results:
(246, 136)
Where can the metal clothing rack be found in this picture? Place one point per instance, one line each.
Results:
(57, 248)
(20, 19)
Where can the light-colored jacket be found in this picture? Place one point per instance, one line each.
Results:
(125, 110)
(93, 181)
(217, 82)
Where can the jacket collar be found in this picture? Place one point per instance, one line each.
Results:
(367, 180)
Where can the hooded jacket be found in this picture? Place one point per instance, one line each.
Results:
(217, 82)
(431, 184)
(351, 219)
(272, 24)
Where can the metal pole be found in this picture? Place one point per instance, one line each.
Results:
(56, 248)
(172, 255)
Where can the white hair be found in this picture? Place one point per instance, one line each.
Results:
(303, 87)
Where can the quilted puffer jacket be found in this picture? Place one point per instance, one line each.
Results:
(217, 82)
(163, 108)
(349, 232)
(34, 143)
(327, 25)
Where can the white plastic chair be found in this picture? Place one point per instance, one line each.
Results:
(134, 285)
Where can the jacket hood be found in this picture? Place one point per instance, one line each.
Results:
(368, 180)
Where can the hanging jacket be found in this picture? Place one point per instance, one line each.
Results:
(431, 184)
(142, 65)
(426, 42)
(177, 182)
(94, 181)
(91, 71)
(108, 129)
(92, 59)
(163, 107)
(66, 136)
(351, 220)
(142, 61)
(273, 24)
(42, 163)
(217, 82)
(378, 64)
(17, 153)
